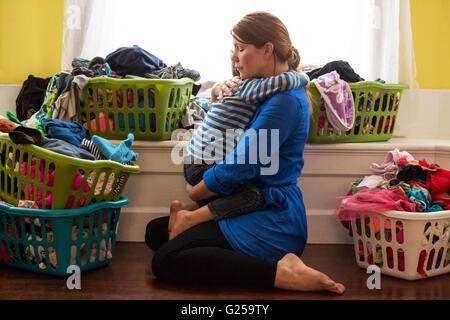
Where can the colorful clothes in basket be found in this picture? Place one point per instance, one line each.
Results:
(429, 176)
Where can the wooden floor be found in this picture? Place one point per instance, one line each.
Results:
(129, 276)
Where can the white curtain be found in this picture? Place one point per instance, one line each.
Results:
(410, 114)
(77, 22)
(366, 33)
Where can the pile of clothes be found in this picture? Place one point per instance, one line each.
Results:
(57, 101)
(400, 183)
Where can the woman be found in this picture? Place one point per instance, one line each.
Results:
(260, 248)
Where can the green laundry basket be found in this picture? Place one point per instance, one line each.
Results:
(49, 241)
(56, 181)
(149, 108)
(376, 108)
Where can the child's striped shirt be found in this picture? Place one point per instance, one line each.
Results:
(225, 121)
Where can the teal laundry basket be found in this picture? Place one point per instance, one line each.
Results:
(49, 241)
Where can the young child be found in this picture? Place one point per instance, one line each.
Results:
(211, 142)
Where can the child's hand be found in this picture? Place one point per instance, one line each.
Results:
(226, 87)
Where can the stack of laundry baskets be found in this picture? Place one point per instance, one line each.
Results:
(69, 208)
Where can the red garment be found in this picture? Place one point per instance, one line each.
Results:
(4, 253)
(101, 121)
(442, 199)
(438, 179)
(7, 126)
(420, 270)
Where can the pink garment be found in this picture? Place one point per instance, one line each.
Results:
(339, 104)
(373, 201)
(101, 121)
(75, 186)
(386, 171)
(78, 181)
(39, 194)
(50, 182)
(71, 200)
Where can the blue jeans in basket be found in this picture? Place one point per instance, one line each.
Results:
(245, 199)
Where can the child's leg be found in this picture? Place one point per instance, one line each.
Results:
(245, 199)
(193, 172)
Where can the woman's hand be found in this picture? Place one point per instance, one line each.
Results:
(225, 87)
(199, 191)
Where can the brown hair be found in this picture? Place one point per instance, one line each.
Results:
(258, 28)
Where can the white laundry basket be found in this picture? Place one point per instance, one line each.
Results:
(407, 245)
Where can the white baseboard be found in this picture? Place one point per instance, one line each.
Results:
(322, 227)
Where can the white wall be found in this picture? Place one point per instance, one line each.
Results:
(424, 114)
(8, 95)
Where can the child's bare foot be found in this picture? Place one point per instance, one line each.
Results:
(175, 206)
(293, 274)
(182, 221)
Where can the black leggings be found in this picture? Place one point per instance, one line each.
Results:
(201, 255)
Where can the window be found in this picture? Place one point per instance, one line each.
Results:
(196, 33)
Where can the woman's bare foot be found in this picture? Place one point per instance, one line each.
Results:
(176, 206)
(293, 274)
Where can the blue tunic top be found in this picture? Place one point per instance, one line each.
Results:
(276, 164)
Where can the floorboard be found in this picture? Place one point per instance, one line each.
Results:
(129, 277)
